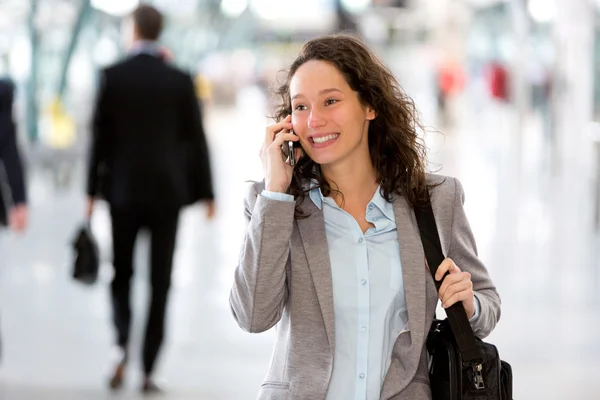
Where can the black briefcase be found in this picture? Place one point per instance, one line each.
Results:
(462, 366)
(87, 256)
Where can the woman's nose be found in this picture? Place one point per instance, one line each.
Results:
(316, 120)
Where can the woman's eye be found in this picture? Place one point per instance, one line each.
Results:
(330, 101)
(300, 107)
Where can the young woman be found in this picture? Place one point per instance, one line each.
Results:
(332, 253)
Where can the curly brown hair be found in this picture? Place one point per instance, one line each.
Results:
(397, 153)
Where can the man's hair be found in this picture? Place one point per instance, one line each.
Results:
(148, 21)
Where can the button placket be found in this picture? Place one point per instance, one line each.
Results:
(362, 326)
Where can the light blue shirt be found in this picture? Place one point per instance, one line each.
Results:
(368, 294)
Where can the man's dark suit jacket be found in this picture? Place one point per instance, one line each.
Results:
(12, 176)
(148, 147)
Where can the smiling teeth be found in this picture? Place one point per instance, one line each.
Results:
(324, 138)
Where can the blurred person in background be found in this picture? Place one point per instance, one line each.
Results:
(450, 82)
(148, 159)
(13, 196)
(13, 202)
(332, 253)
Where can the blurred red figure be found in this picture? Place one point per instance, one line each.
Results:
(450, 82)
(451, 79)
(498, 81)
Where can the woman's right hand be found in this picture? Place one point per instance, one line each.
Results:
(278, 172)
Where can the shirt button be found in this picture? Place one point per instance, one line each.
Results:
(360, 240)
(364, 329)
(362, 376)
(363, 282)
(370, 206)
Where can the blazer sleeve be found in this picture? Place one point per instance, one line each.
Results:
(9, 152)
(463, 252)
(193, 134)
(260, 292)
(10, 158)
(100, 141)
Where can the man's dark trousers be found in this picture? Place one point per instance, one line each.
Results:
(162, 226)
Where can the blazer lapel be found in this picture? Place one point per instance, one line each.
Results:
(413, 268)
(407, 350)
(314, 240)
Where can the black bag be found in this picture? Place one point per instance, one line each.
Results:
(87, 258)
(462, 366)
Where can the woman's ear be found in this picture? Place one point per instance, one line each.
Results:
(370, 113)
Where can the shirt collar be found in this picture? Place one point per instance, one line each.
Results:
(145, 47)
(386, 207)
(316, 196)
(382, 204)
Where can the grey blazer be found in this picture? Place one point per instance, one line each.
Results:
(284, 278)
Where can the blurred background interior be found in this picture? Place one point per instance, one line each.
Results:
(509, 92)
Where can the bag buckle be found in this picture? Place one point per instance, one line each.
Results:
(478, 376)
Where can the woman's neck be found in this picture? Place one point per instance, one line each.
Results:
(356, 181)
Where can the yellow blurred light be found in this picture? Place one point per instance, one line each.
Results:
(61, 125)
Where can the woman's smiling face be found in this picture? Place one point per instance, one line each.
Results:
(327, 114)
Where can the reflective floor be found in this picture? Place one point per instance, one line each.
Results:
(535, 232)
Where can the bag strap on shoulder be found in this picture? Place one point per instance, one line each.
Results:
(456, 313)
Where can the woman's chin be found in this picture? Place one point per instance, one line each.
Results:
(324, 159)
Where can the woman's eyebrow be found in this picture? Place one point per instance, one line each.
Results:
(324, 91)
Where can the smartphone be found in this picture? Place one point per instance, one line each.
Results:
(291, 152)
(288, 150)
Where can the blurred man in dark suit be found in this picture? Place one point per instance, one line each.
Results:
(13, 204)
(13, 201)
(148, 159)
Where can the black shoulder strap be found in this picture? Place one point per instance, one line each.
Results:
(457, 316)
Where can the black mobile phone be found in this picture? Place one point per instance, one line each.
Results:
(288, 150)
(291, 152)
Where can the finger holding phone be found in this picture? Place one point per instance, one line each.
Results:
(277, 165)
